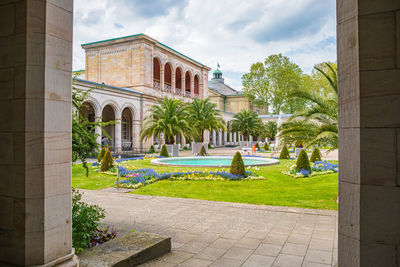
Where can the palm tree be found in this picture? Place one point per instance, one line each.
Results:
(318, 125)
(247, 123)
(204, 115)
(270, 130)
(169, 117)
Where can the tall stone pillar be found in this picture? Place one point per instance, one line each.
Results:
(98, 132)
(214, 141)
(225, 137)
(369, 132)
(220, 138)
(117, 135)
(173, 83)
(192, 87)
(162, 78)
(234, 138)
(35, 133)
(231, 137)
(136, 134)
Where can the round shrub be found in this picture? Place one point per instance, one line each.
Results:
(164, 151)
(101, 154)
(284, 153)
(257, 146)
(266, 146)
(203, 151)
(316, 155)
(107, 162)
(152, 150)
(302, 162)
(237, 165)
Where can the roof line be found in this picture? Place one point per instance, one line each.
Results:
(77, 71)
(112, 39)
(110, 86)
(180, 53)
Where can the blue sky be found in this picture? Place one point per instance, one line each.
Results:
(235, 33)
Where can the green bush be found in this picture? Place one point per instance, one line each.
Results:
(266, 146)
(152, 150)
(203, 151)
(316, 155)
(85, 221)
(101, 154)
(284, 153)
(302, 162)
(257, 146)
(209, 146)
(237, 165)
(107, 161)
(164, 151)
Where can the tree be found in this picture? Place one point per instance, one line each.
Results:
(284, 153)
(169, 117)
(247, 123)
(316, 155)
(237, 165)
(302, 162)
(270, 130)
(203, 151)
(204, 115)
(107, 161)
(164, 151)
(269, 83)
(318, 124)
(84, 138)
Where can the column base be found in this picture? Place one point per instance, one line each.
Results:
(70, 260)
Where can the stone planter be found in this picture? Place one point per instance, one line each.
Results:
(196, 147)
(173, 150)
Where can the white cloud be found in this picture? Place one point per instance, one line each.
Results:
(234, 33)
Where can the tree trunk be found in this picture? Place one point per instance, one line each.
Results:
(246, 136)
(202, 136)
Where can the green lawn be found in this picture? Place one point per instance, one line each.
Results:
(318, 192)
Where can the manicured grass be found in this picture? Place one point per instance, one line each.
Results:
(318, 192)
(95, 180)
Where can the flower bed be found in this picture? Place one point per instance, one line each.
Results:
(140, 177)
(317, 168)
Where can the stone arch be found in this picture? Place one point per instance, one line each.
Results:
(96, 105)
(188, 79)
(114, 105)
(168, 76)
(178, 78)
(108, 113)
(196, 85)
(157, 63)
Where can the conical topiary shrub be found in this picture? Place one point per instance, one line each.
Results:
(107, 161)
(266, 146)
(237, 165)
(203, 151)
(152, 150)
(257, 146)
(284, 153)
(164, 151)
(316, 155)
(302, 161)
(101, 154)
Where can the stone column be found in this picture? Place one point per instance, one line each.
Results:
(136, 134)
(162, 78)
(225, 137)
(231, 137)
(234, 138)
(183, 85)
(117, 135)
(220, 138)
(173, 84)
(192, 87)
(214, 141)
(35, 133)
(97, 131)
(369, 132)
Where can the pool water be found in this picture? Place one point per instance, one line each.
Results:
(212, 161)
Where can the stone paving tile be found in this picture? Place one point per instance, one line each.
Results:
(268, 250)
(225, 262)
(223, 243)
(237, 253)
(295, 249)
(249, 243)
(196, 263)
(321, 244)
(285, 260)
(319, 256)
(225, 234)
(314, 264)
(259, 261)
(211, 253)
(193, 247)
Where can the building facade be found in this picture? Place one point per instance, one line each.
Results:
(126, 76)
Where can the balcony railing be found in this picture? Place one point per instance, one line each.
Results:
(156, 85)
(167, 88)
(196, 95)
(188, 94)
(178, 91)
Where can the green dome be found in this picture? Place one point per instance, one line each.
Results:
(217, 72)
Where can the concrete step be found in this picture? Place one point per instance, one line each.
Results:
(129, 250)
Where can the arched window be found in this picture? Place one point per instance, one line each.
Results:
(156, 73)
(167, 77)
(187, 84)
(196, 86)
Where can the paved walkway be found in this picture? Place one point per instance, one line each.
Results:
(208, 233)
